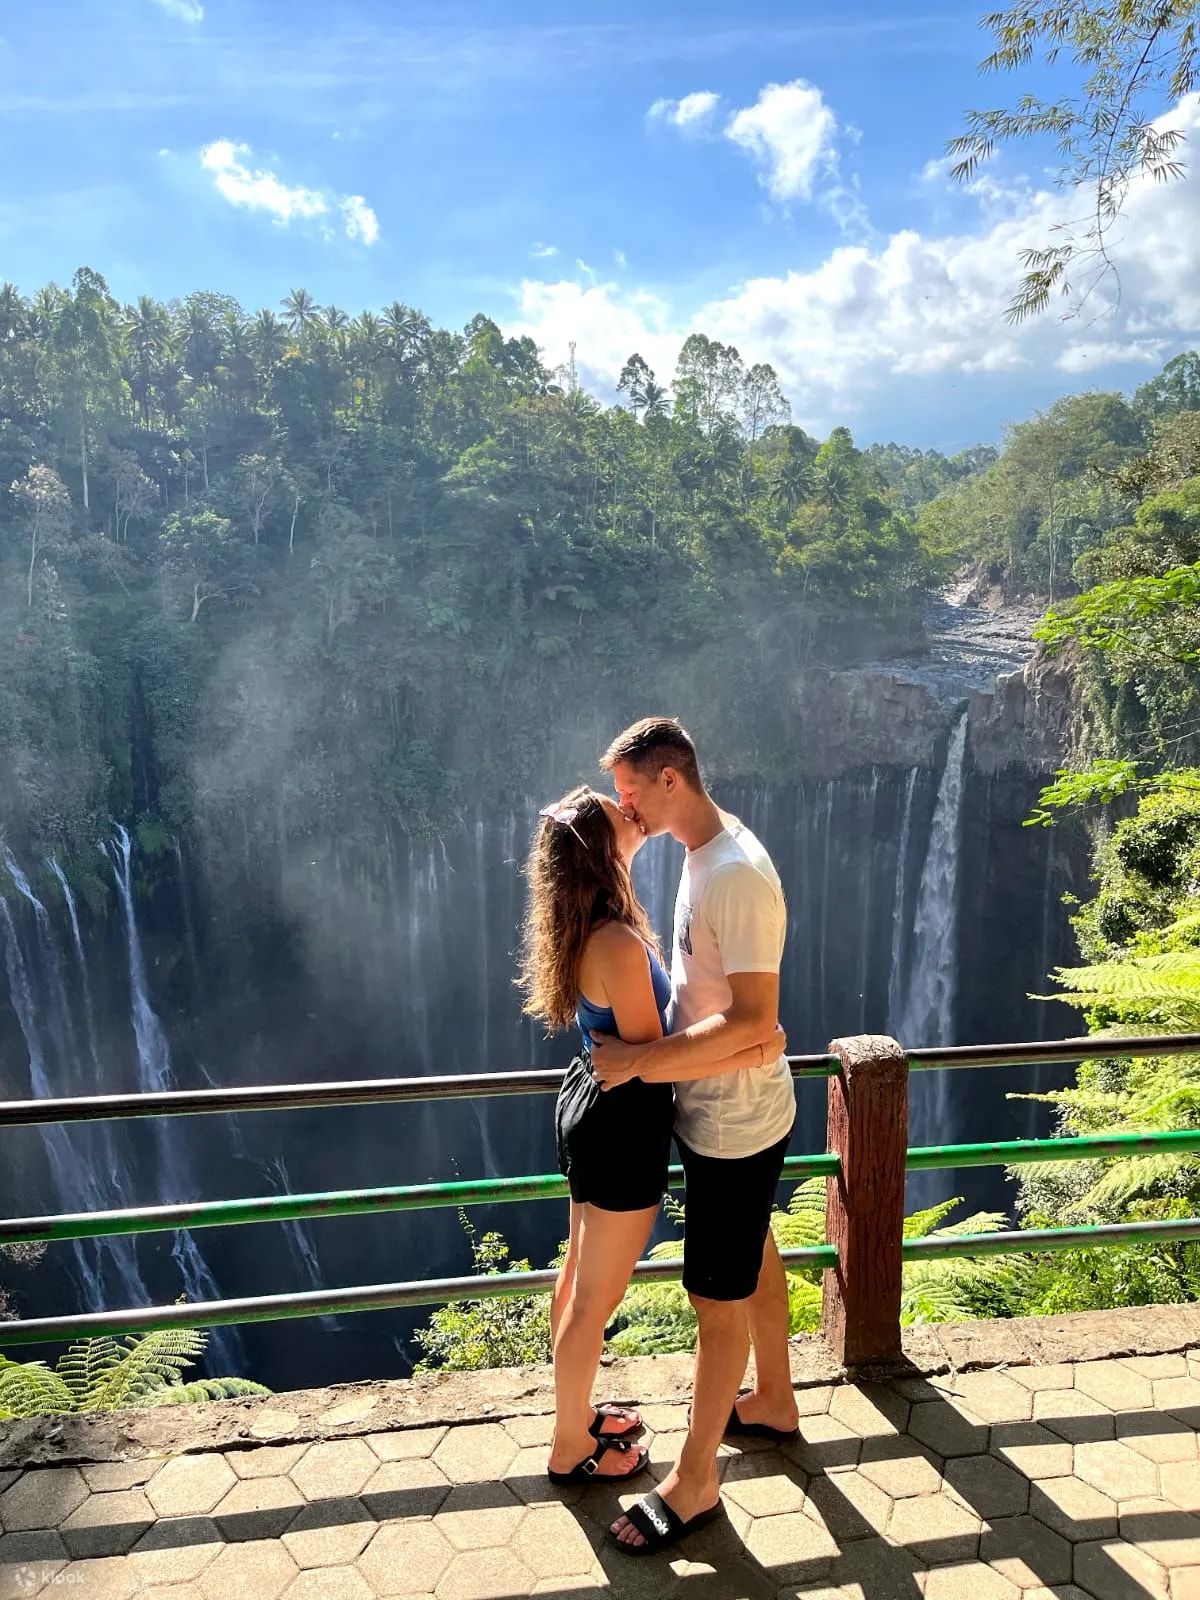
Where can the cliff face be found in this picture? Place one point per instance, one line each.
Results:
(899, 712)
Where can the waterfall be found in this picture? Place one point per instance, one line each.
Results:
(154, 1074)
(70, 1176)
(85, 988)
(927, 1017)
(896, 973)
(302, 1247)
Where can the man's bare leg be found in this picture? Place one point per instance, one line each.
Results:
(722, 1348)
(772, 1400)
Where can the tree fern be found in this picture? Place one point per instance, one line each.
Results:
(103, 1374)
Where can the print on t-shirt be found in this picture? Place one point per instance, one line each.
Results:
(685, 929)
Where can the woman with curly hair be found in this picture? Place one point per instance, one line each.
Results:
(590, 958)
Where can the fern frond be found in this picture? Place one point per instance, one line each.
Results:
(151, 1362)
(184, 1394)
(31, 1389)
(86, 1365)
(923, 1222)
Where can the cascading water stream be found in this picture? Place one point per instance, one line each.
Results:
(927, 1017)
(155, 1074)
(896, 972)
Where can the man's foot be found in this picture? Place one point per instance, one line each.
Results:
(685, 1500)
(781, 1415)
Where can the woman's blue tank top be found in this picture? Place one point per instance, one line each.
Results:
(602, 1019)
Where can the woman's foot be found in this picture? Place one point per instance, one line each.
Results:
(618, 1460)
(685, 1500)
(612, 1421)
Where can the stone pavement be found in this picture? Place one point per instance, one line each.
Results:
(1015, 1481)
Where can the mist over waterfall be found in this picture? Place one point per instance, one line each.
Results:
(394, 956)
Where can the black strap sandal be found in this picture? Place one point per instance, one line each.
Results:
(759, 1430)
(661, 1527)
(588, 1470)
(609, 1411)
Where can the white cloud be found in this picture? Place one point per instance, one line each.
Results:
(792, 135)
(621, 259)
(860, 327)
(689, 114)
(543, 252)
(259, 190)
(185, 10)
(361, 222)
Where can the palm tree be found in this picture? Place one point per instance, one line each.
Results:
(407, 329)
(301, 310)
(654, 400)
(146, 328)
(794, 483)
(270, 341)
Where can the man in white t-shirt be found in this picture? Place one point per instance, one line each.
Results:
(731, 1125)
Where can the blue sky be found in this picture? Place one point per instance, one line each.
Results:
(615, 174)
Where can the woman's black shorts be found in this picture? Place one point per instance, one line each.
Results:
(614, 1145)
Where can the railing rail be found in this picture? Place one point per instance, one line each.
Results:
(864, 1168)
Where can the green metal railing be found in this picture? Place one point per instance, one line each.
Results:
(352, 1202)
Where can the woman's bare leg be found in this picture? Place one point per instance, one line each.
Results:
(610, 1243)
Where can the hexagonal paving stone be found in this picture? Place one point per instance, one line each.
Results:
(261, 1568)
(405, 1558)
(107, 1524)
(869, 1409)
(872, 1569)
(257, 1508)
(1060, 1375)
(1113, 1570)
(1073, 1416)
(990, 1395)
(479, 1516)
(1061, 1591)
(173, 1591)
(762, 1487)
(988, 1486)
(413, 1488)
(266, 1460)
(330, 1583)
(485, 1575)
(478, 1453)
(824, 1445)
(948, 1429)
(1032, 1450)
(104, 1578)
(329, 1533)
(969, 1580)
(1157, 1436)
(1167, 1535)
(900, 1467)
(1179, 1482)
(1074, 1509)
(29, 1560)
(104, 1475)
(1157, 1366)
(1181, 1395)
(848, 1505)
(1185, 1583)
(176, 1550)
(793, 1547)
(1114, 1385)
(551, 1544)
(527, 1431)
(935, 1528)
(527, 1479)
(815, 1400)
(41, 1499)
(403, 1444)
(190, 1486)
(8, 1476)
(1116, 1470)
(1026, 1552)
(334, 1468)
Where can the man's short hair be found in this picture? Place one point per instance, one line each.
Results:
(652, 744)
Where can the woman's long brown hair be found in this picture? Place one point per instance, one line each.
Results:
(577, 880)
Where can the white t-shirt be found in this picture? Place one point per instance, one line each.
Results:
(730, 916)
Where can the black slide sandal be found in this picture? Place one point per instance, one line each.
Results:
(754, 1430)
(661, 1527)
(588, 1470)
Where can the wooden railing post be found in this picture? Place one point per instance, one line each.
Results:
(867, 1126)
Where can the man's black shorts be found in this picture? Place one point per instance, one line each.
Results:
(614, 1145)
(727, 1214)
